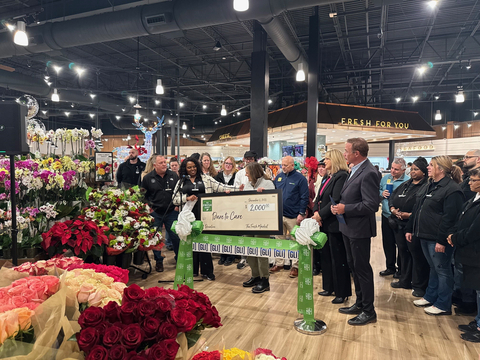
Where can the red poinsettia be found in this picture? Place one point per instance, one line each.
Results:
(81, 236)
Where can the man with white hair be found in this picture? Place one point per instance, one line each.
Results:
(388, 184)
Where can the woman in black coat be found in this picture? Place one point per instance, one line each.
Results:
(466, 239)
(335, 271)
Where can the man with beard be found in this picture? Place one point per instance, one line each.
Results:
(128, 173)
(471, 160)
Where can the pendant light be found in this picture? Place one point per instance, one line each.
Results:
(159, 89)
(241, 5)
(224, 111)
(21, 37)
(438, 115)
(55, 96)
(300, 73)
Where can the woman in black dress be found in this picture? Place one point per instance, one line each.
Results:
(193, 182)
(335, 270)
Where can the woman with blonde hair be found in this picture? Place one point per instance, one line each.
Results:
(433, 218)
(335, 271)
(148, 167)
(207, 165)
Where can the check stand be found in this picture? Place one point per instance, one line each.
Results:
(307, 324)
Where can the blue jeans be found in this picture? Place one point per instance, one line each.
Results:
(167, 221)
(477, 318)
(440, 283)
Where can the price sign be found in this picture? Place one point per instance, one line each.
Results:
(242, 213)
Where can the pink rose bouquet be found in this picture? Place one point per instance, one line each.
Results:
(42, 267)
(116, 273)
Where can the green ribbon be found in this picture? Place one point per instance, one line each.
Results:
(184, 271)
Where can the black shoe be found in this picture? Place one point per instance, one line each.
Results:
(387, 272)
(195, 274)
(270, 265)
(397, 275)
(471, 327)
(262, 286)
(210, 277)
(315, 271)
(471, 336)
(418, 293)
(466, 309)
(287, 267)
(399, 285)
(363, 319)
(354, 309)
(159, 267)
(325, 293)
(339, 300)
(242, 264)
(221, 261)
(252, 281)
(228, 262)
(169, 247)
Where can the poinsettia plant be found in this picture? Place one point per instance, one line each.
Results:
(83, 237)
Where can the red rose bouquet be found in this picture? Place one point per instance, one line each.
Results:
(146, 325)
(82, 236)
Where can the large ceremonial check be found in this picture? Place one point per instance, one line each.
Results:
(242, 213)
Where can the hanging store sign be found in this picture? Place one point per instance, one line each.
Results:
(418, 148)
(225, 137)
(375, 123)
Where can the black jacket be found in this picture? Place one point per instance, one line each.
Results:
(221, 179)
(404, 197)
(322, 202)
(469, 194)
(159, 191)
(467, 235)
(130, 174)
(436, 209)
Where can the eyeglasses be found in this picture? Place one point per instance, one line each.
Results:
(229, 164)
(469, 157)
(473, 180)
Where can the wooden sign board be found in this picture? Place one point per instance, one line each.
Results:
(242, 213)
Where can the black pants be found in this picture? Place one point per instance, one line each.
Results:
(327, 267)
(339, 269)
(204, 261)
(317, 263)
(358, 257)
(389, 246)
(404, 256)
(420, 267)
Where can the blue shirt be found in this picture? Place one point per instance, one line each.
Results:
(383, 186)
(355, 168)
(295, 194)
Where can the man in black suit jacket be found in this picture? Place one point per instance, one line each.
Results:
(358, 203)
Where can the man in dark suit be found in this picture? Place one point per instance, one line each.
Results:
(358, 203)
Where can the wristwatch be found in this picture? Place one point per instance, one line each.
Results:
(303, 214)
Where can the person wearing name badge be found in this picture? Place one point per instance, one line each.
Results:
(159, 185)
(387, 185)
(358, 205)
(259, 181)
(242, 179)
(193, 182)
(128, 173)
(433, 218)
(227, 177)
(335, 270)
(295, 193)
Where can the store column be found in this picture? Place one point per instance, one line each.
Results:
(259, 93)
(391, 153)
(312, 105)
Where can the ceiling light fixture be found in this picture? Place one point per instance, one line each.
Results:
(436, 97)
(67, 114)
(469, 125)
(79, 71)
(421, 70)
(55, 96)
(475, 114)
(239, 113)
(217, 46)
(92, 96)
(44, 112)
(118, 117)
(241, 5)
(432, 3)
(10, 26)
(398, 99)
(204, 106)
(21, 37)
(157, 102)
(184, 126)
(184, 136)
(414, 98)
(456, 127)
(181, 104)
(469, 65)
(444, 128)
(224, 111)
(131, 99)
(159, 90)
(270, 101)
(154, 112)
(57, 69)
(460, 97)
(438, 115)
(300, 73)
(92, 115)
(137, 116)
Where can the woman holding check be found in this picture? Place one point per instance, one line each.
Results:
(193, 182)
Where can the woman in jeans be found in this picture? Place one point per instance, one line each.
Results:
(412, 261)
(466, 239)
(335, 270)
(433, 218)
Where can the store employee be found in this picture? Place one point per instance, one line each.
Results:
(128, 173)
(159, 185)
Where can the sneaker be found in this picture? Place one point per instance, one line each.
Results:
(221, 261)
(228, 262)
(210, 277)
(432, 310)
(471, 327)
(418, 293)
(242, 264)
(421, 303)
